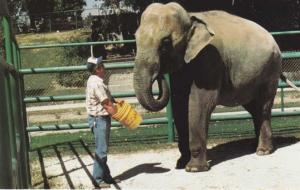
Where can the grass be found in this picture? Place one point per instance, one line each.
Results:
(125, 140)
(46, 57)
(52, 37)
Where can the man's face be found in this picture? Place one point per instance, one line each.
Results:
(100, 71)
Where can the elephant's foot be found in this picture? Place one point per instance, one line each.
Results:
(264, 149)
(182, 162)
(195, 165)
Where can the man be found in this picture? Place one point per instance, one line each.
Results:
(99, 105)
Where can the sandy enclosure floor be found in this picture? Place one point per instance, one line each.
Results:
(154, 169)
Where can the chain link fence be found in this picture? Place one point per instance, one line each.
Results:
(120, 81)
(291, 68)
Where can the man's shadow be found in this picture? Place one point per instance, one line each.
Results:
(142, 168)
(238, 148)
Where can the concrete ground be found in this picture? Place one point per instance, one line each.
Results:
(234, 165)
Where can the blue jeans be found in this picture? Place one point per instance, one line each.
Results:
(100, 127)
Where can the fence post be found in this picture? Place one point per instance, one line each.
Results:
(24, 120)
(282, 99)
(6, 172)
(76, 20)
(50, 24)
(21, 121)
(16, 172)
(171, 135)
(11, 147)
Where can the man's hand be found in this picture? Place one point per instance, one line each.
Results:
(109, 106)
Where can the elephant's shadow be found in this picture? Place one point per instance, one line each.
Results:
(238, 148)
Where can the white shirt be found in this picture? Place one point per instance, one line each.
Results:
(96, 92)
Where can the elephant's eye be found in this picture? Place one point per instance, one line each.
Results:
(166, 45)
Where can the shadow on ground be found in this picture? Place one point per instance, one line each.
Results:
(238, 148)
(73, 146)
(143, 168)
(217, 154)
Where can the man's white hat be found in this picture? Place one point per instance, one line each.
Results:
(94, 60)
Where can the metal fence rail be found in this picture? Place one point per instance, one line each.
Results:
(13, 132)
(14, 167)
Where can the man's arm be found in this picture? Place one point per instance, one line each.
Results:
(109, 106)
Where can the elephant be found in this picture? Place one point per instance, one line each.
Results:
(223, 59)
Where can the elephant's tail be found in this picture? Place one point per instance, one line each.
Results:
(282, 77)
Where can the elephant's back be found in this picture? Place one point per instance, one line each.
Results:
(246, 48)
(236, 31)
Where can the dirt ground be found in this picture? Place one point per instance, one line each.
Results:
(234, 165)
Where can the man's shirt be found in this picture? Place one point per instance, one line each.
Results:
(96, 92)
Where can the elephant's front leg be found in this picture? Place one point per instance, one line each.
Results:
(201, 104)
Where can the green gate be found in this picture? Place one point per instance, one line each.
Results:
(14, 145)
(14, 163)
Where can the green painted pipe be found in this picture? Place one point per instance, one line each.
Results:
(171, 132)
(74, 97)
(290, 54)
(110, 66)
(35, 46)
(10, 150)
(284, 85)
(21, 123)
(248, 116)
(117, 95)
(115, 65)
(54, 127)
(285, 33)
(162, 120)
(282, 99)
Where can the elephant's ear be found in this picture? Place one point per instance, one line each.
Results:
(199, 36)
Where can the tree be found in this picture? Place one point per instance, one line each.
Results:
(38, 9)
(15, 6)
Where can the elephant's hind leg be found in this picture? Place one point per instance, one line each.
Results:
(260, 108)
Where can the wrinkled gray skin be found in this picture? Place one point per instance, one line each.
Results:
(231, 61)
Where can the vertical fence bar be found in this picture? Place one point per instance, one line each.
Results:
(17, 171)
(50, 23)
(25, 139)
(282, 99)
(6, 174)
(21, 125)
(10, 125)
(171, 135)
(16, 113)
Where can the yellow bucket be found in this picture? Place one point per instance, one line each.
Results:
(127, 115)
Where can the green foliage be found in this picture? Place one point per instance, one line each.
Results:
(40, 12)
(74, 56)
(121, 138)
(33, 58)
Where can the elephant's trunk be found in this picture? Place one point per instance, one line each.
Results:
(143, 82)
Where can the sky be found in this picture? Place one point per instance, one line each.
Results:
(90, 3)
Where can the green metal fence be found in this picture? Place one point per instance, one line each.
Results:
(14, 146)
(126, 65)
(65, 69)
(14, 161)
